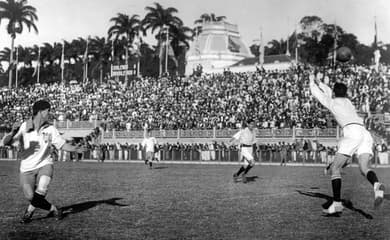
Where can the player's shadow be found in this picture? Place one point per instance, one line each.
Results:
(160, 167)
(346, 203)
(79, 207)
(251, 179)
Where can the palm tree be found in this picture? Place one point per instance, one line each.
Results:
(159, 18)
(18, 14)
(100, 50)
(129, 27)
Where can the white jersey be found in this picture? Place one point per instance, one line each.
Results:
(35, 149)
(341, 108)
(245, 136)
(149, 143)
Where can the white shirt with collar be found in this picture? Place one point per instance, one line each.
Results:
(35, 151)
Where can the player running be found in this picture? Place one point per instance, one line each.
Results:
(149, 144)
(246, 138)
(356, 139)
(37, 136)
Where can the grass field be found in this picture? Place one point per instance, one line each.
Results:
(175, 201)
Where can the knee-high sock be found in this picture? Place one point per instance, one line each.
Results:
(242, 169)
(336, 187)
(247, 169)
(371, 177)
(39, 201)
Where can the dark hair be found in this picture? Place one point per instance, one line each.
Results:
(40, 106)
(340, 90)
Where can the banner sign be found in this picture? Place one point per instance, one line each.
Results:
(122, 70)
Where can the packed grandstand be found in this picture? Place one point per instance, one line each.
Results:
(275, 99)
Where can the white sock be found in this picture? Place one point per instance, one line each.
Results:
(30, 208)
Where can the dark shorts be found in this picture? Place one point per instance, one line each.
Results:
(32, 177)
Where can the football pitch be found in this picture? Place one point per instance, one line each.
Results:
(178, 201)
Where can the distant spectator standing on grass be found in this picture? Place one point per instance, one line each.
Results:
(37, 136)
(246, 137)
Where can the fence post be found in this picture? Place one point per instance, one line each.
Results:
(293, 133)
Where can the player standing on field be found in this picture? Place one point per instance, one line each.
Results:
(356, 139)
(149, 144)
(36, 137)
(246, 138)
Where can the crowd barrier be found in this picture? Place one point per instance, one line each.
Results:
(191, 133)
(226, 155)
(226, 133)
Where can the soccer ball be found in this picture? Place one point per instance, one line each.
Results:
(343, 54)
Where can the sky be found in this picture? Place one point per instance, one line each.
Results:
(70, 19)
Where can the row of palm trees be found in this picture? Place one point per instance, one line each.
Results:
(122, 44)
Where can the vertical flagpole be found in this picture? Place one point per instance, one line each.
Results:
(39, 63)
(377, 54)
(16, 67)
(287, 48)
(335, 46)
(127, 59)
(160, 53)
(86, 62)
(166, 51)
(261, 49)
(62, 61)
(296, 45)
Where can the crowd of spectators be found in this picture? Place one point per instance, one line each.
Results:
(275, 99)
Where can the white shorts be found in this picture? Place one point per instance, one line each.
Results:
(247, 153)
(356, 139)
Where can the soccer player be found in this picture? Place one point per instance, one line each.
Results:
(246, 138)
(149, 143)
(36, 137)
(356, 139)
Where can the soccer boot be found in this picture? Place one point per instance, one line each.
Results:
(336, 207)
(150, 164)
(379, 191)
(27, 217)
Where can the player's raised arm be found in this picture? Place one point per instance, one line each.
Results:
(12, 136)
(320, 91)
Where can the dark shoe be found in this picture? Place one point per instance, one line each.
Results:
(150, 164)
(27, 217)
(146, 162)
